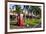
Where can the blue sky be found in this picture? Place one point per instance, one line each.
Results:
(22, 6)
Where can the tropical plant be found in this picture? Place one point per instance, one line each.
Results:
(18, 9)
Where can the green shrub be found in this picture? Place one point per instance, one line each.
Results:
(32, 22)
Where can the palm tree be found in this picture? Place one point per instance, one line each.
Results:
(16, 9)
